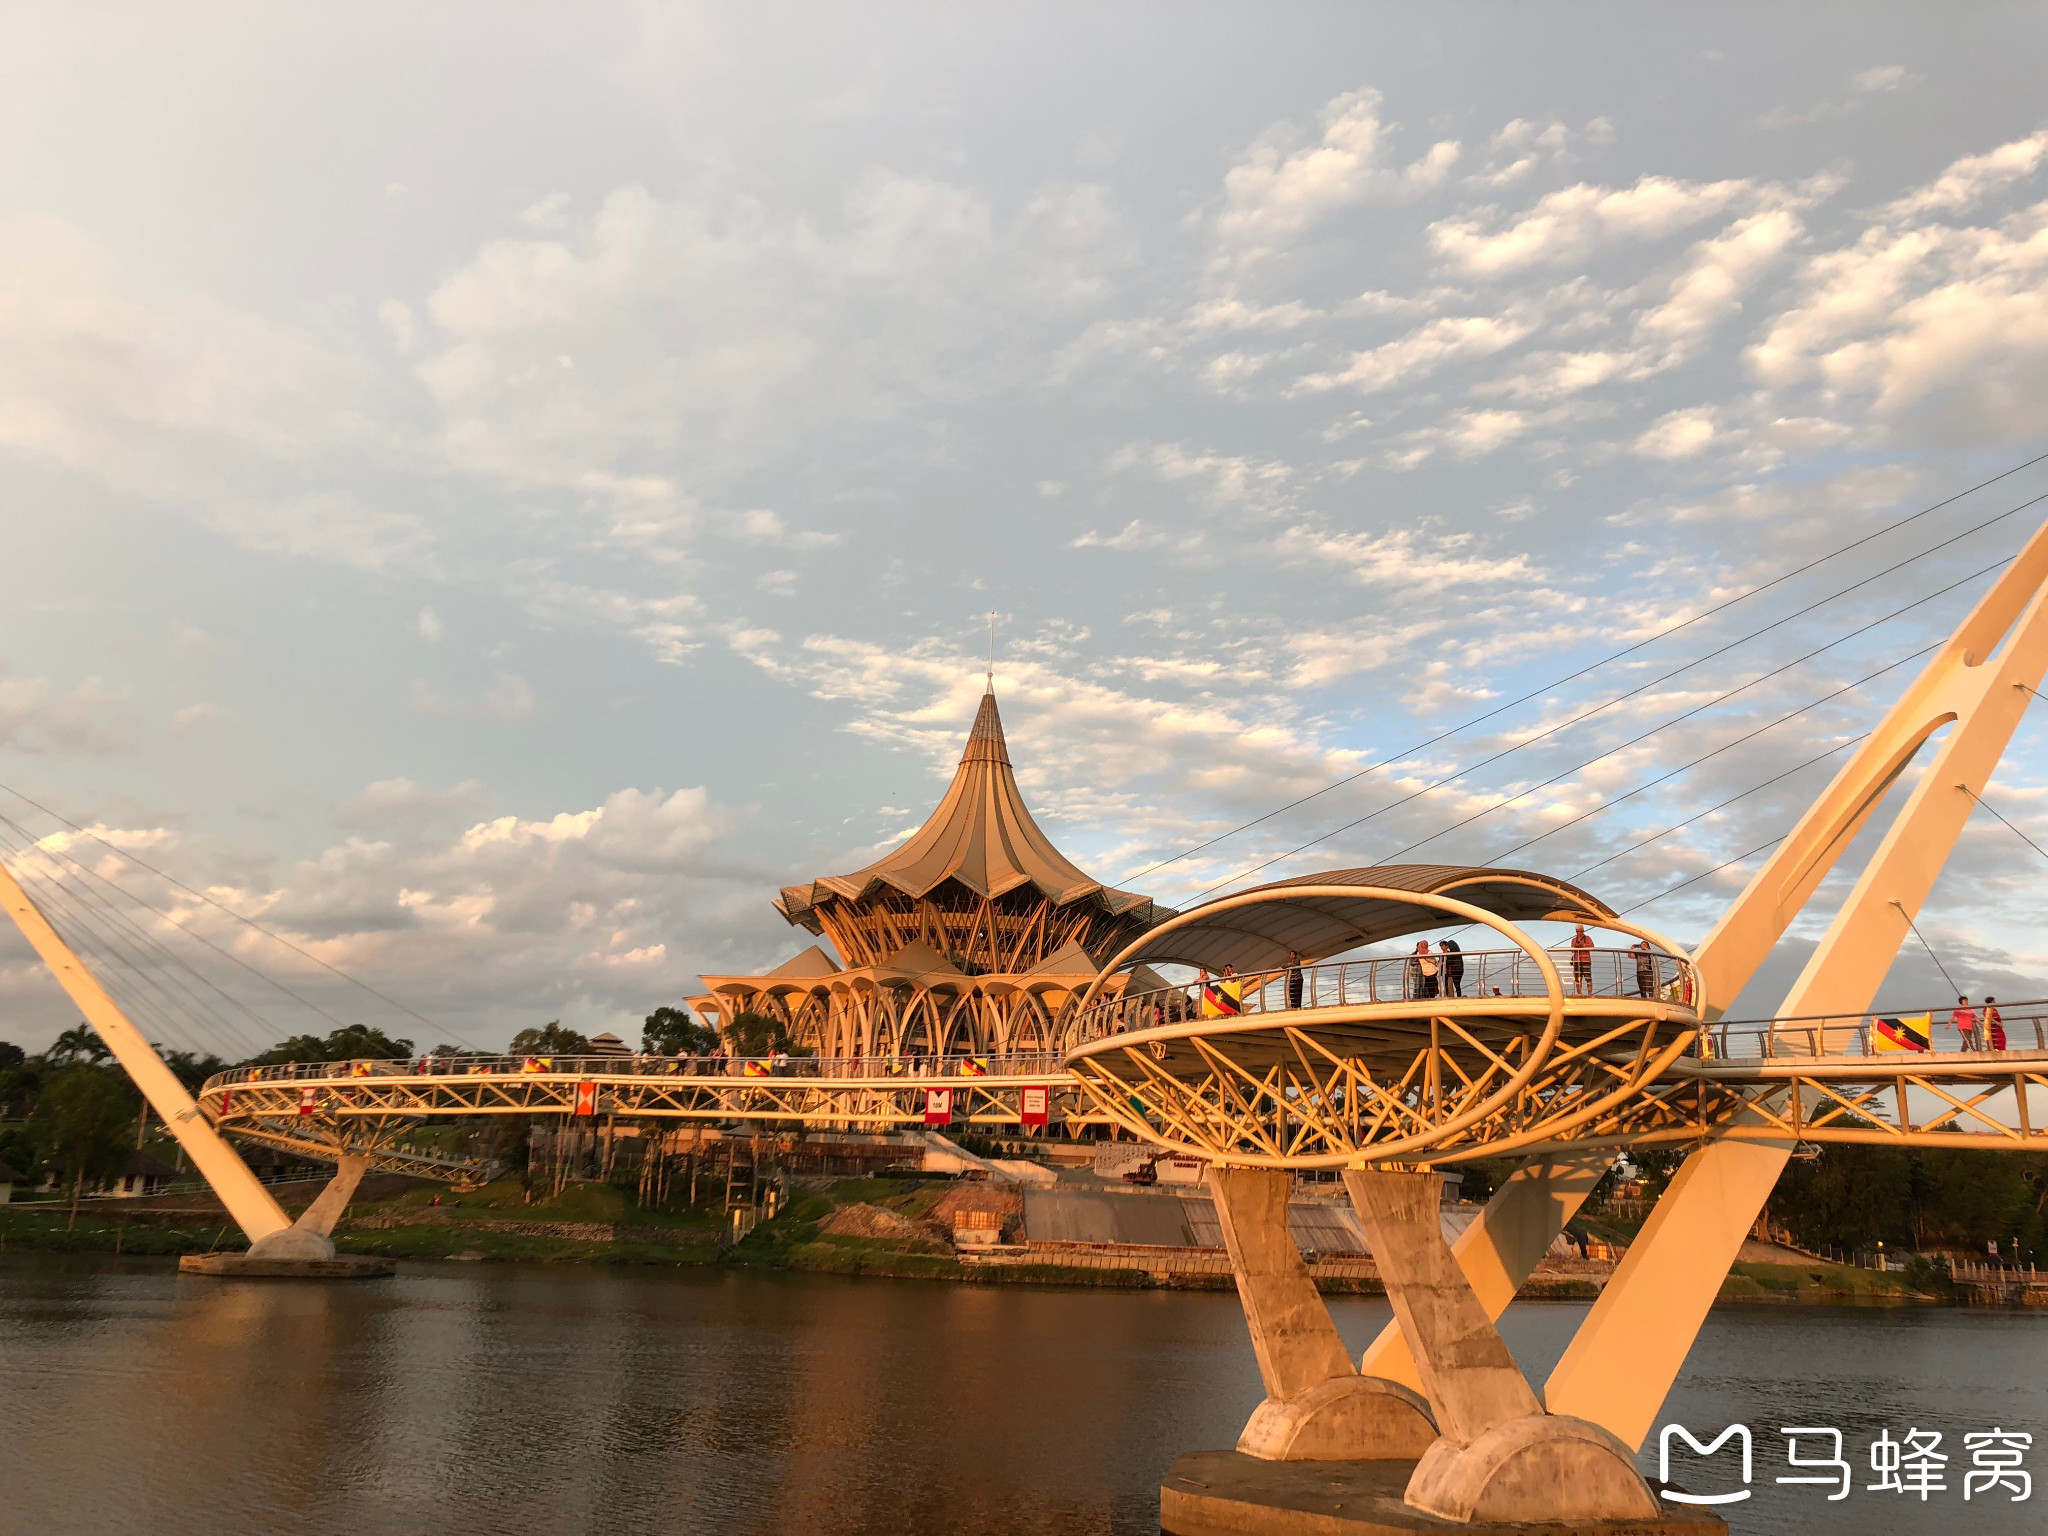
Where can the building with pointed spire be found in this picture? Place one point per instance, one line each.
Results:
(975, 935)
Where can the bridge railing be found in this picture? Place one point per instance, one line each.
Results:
(1045, 1064)
(2024, 1027)
(1597, 972)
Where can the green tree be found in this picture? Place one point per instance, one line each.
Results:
(549, 1040)
(676, 1032)
(20, 1073)
(755, 1034)
(190, 1068)
(84, 1119)
(81, 1043)
(1848, 1197)
(761, 1034)
(1965, 1199)
(352, 1042)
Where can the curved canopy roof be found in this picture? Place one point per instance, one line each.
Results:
(1258, 935)
(981, 835)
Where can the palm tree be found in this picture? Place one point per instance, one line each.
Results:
(79, 1043)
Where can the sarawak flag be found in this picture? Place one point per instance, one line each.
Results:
(586, 1098)
(754, 1069)
(1220, 999)
(1034, 1105)
(974, 1066)
(308, 1101)
(938, 1106)
(1907, 1032)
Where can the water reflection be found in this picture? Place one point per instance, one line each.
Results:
(513, 1400)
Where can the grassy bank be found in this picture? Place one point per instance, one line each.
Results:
(596, 1224)
(1827, 1284)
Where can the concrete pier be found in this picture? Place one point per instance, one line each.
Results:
(250, 1267)
(1226, 1493)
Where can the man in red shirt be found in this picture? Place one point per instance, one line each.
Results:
(1965, 1020)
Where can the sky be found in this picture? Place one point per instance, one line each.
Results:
(491, 493)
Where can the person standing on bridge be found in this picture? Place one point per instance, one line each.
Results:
(1454, 968)
(1646, 968)
(1422, 971)
(1965, 1020)
(1994, 1025)
(1582, 962)
(1294, 978)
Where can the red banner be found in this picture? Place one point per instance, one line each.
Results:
(307, 1097)
(938, 1106)
(1035, 1104)
(586, 1098)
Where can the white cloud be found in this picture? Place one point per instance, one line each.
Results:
(1920, 314)
(1410, 562)
(510, 697)
(1718, 273)
(765, 527)
(1517, 149)
(549, 213)
(1972, 178)
(1570, 224)
(197, 717)
(1434, 168)
(712, 333)
(88, 720)
(429, 625)
(1677, 435)
(175, 399)
(1276, 191)
(1882, 77)
(1423, 350)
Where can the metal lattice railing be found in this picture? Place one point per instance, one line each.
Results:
(2022, 1026)
(1626, 973)
(1041, 1065)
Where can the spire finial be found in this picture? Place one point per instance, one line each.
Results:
(991, 650)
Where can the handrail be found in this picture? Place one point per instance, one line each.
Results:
(1630, 973)
(1043, 1065)
(2024, 1027)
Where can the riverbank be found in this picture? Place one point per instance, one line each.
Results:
(590, 1224)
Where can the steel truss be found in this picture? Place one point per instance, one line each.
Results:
(324, 1114)
(1389, 1085)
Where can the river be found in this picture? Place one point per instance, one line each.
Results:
(506, 1400)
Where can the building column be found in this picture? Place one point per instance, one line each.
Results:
(1317, 1407)
(1500, 1457)
(310, 1237)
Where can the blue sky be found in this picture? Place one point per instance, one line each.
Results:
(493, 493)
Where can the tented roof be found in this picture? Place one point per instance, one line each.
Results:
(1259, 935)
(812, 962)
(981, 835)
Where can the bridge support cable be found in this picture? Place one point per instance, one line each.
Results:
(2015, 831)
(1607, 704)
(163, 980)
(43, 847)
(166, 1009)
(253, 1207)
(1713, 703)
(247, 922)
(1620, 1365)
(1927, 946)
(1626, 651)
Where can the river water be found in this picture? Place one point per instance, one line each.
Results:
(507, 1400)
